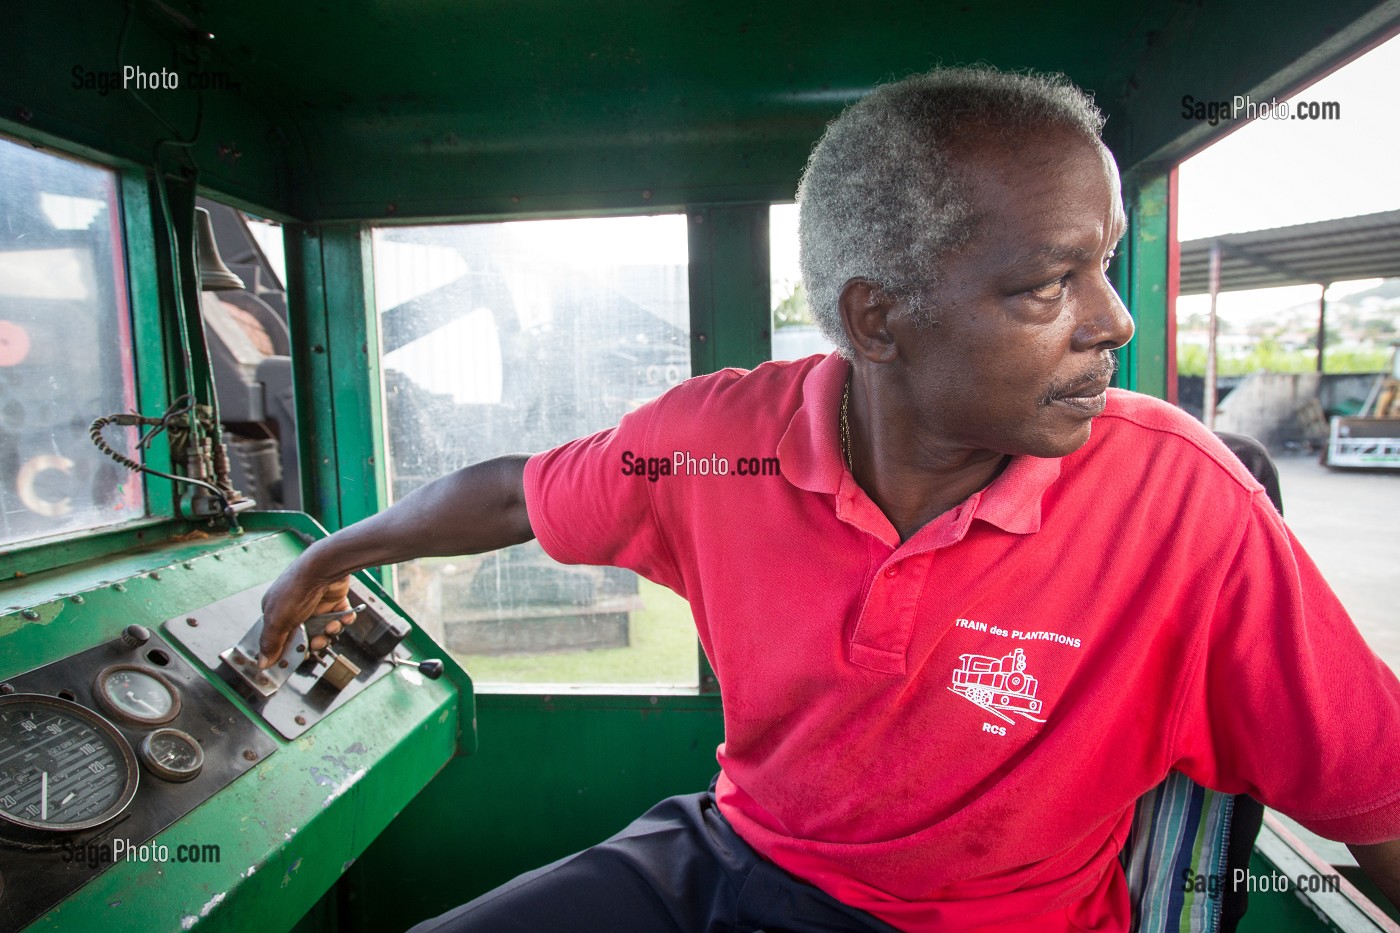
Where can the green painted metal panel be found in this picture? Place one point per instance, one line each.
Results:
(628, 103)
(311, 375)
(1288, 891)
(729, 300)
(552, 775)
(56, 58)
(143, 289)
(287, 829)
(27, 560)
(537, 107)
(1141, 279)
(336, 372)
(1270, 913)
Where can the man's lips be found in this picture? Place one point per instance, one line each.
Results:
(1087, 396)
(1087, 393)
(1093, 389)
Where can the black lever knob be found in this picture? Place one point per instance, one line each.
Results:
(134, 636)
(431, 668)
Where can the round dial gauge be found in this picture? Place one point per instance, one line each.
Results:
(137, 694)
(62, 766)
(171, 754)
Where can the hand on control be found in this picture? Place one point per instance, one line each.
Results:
(290, 601)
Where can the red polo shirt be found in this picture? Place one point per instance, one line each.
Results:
(951, 732)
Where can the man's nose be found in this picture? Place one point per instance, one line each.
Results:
(1104, 322)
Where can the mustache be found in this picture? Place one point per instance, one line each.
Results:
(1098, 376)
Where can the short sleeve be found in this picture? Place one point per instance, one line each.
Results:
(590, 501)
(1285, 701)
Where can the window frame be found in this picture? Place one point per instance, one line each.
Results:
(141, 303)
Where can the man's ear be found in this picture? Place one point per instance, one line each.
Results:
(865, 311)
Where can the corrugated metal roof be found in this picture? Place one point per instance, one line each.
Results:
(1363, 247)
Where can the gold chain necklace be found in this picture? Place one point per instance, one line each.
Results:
(846, 425)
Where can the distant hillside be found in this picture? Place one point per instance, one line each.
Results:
(1365, 318)
(1386, 294)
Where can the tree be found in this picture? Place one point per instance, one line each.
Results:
(793, 309)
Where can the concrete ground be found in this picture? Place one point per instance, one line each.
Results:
(1349, 523)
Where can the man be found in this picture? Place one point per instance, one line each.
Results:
(987, 605)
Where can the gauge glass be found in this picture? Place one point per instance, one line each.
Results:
(172, 754)
(136, 694)
(62, 766)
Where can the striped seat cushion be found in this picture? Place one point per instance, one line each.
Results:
(1180, 833)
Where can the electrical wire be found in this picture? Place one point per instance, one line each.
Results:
(186, 405)
(161, 423)
(177, 140)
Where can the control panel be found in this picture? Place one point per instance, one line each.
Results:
(153, 777)
(101, 751)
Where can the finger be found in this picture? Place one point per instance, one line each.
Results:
(274, 641)
(270, 645)
(333, 628)
(336, 594)
(278, 626)
(318, 642)
(328, 606)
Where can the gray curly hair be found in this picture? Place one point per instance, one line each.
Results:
(879, 198)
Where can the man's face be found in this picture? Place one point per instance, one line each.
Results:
(1019, 359)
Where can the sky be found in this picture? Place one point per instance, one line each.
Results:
(1274, 173)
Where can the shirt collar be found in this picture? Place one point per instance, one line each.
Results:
(810, 452)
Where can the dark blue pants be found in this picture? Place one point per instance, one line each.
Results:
(679, 868)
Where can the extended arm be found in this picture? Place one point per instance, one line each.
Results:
(1381, 863)
(480, 508)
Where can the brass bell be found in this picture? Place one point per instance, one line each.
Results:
(213, 274)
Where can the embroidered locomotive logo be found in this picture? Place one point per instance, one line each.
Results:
(998, 685)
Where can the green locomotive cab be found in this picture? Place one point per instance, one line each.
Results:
(267, 269)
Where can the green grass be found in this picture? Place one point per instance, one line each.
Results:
(663, 650)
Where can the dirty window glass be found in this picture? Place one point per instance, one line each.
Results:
(516, 337)
(65, 348)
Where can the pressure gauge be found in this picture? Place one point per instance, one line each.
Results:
(137, 694)
(63, 767)
(172, 754)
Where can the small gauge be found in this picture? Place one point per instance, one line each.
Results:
(171, 754)
(137, 694)
(63, 767)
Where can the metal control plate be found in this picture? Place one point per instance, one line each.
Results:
(303, 699)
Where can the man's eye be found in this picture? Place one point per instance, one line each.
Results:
(1051, 290)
